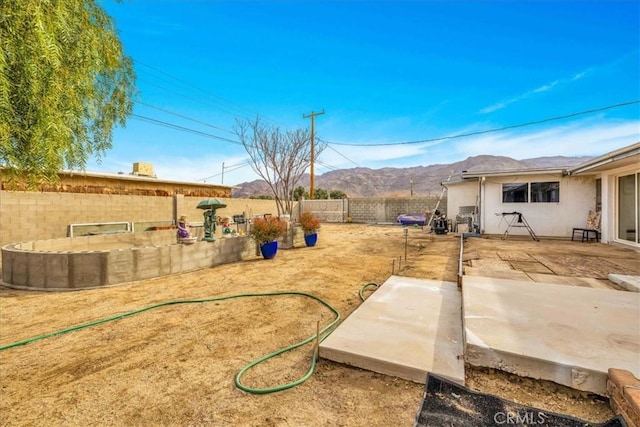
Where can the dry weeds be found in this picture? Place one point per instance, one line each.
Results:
(175, 365)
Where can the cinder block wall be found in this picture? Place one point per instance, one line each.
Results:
(26, 216)
(249, 207)
(388, 209)
(87, 262)
(371, 210)
(30, 216)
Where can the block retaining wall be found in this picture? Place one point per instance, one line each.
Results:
(624, 395)
(95, 261)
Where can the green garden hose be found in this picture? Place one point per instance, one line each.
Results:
(361, 293)
(243, 370)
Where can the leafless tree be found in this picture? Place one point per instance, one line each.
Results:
(279, 157)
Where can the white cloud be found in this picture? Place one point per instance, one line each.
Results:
(541, 89)
(589, 137)
(585, 138)
(544, 88)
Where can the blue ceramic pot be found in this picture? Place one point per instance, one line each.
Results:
(269, 250)
(311, 239)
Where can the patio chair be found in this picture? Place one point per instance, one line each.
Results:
(592, 229)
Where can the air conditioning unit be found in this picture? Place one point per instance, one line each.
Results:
(142, 169)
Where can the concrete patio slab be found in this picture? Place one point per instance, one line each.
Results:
(493, 264)
(629, 265)
(575, 265)
(591, 282)
(489, 254)
(586, 282)
(514, 256)
(567, 281)
(406, 328)
(551, 279)
(566, 334)
(630, 283)
(530, 267)
(501, 274)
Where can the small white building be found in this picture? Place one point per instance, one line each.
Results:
(554, 201)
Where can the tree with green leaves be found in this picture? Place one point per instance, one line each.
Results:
(320, 194)
(299, 193)
(65, 82)
(337, 194)
(278, 157)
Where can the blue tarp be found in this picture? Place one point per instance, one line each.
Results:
(411, 219)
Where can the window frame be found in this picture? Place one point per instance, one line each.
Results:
(512, 192)
(551, 193)
(516, 188)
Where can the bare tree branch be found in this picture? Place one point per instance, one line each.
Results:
(279, 158)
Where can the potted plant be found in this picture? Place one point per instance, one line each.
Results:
(266, 231)
(310, 225)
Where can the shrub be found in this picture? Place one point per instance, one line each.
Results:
(267, 230)
(309, 223)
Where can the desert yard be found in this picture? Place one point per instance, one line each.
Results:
(176, 364)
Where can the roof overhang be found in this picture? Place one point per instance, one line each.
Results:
(625, 156)
(511, 172)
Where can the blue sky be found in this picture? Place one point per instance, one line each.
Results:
(386, 73)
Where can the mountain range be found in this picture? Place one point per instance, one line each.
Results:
(404, 182)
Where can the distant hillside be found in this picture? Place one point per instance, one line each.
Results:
(553, 162)
(424, 180)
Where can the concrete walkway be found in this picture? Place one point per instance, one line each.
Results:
(406, 328)
(519, 316)
(569, 335)
(630, 283)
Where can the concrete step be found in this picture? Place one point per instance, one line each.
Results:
(571, 335)
(630, 283)
(406, 328)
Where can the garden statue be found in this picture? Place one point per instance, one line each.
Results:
(182, 232)
(209, 225)
(210, 206)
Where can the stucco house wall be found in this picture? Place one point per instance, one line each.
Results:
(609, 199)
(461, 193)
(577, 197)
(593, 185)
(617, 203)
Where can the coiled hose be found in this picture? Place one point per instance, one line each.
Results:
(319, 336)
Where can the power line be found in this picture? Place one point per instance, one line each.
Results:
(190, 98)
(182, 128)
(227, 169)
(336, 151)
(181, 116)
(462, 135)
(184, 82)
(326, 165)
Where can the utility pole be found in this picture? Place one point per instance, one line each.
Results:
(312, 116)
(222, 181)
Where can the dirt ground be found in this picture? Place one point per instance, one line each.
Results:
(175, 365)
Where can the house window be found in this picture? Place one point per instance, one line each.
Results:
(545, 192)
(534, 192)
(515, 192)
